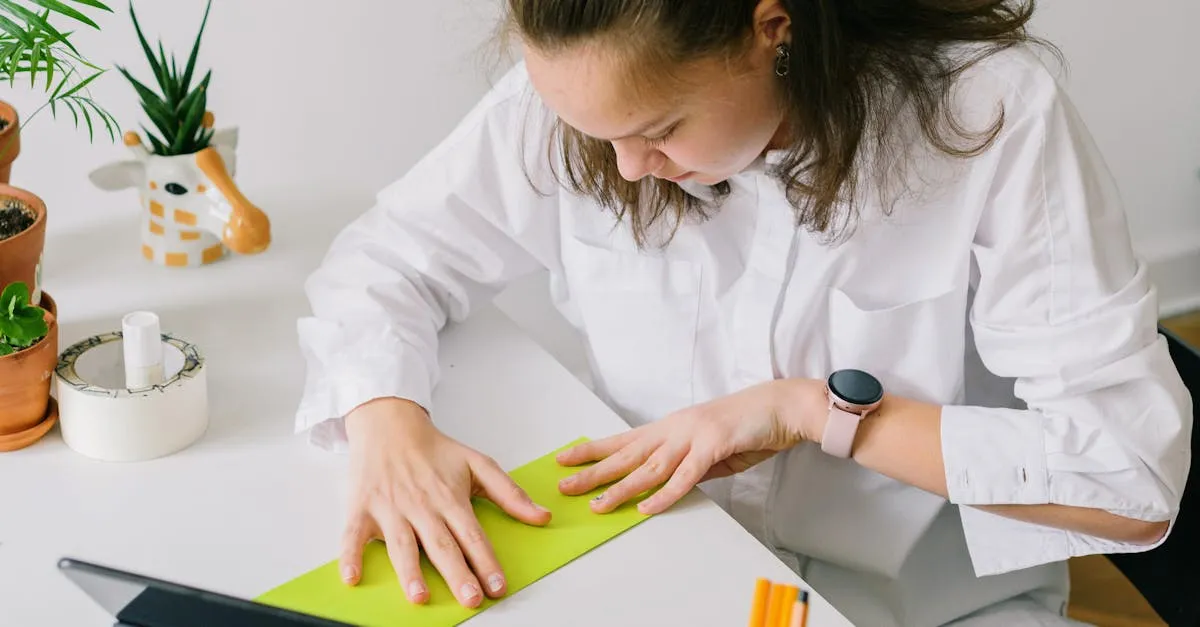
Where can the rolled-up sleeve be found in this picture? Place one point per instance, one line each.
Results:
(447, 236)
(1063, 307)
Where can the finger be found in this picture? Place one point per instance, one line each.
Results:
(405, 556)
(691, 471)
(594, 450)
(357, 533)
(609, 469)
(657, 468)
(444, 553)
(500, 489)
(474, 543)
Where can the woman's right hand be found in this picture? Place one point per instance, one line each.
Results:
(412, 487)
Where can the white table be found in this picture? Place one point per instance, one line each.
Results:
(252, 505)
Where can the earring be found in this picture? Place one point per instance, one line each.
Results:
(783, 58)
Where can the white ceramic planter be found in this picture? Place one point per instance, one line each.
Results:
(192, 211)
(103, 419)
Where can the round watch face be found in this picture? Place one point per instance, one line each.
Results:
(856, 387)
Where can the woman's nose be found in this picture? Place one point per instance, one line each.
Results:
(636, 162)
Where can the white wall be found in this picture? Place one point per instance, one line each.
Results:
(391, 78)
(317, 80)
(1133, 73)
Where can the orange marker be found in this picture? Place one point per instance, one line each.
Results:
(787, 605)
(758, 607)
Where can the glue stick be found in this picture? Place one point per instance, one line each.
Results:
(142, 344)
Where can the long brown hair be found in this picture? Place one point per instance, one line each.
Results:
(858, 70)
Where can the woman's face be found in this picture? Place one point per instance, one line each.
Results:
(705, 128)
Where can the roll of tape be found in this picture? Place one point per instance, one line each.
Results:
(103, 418)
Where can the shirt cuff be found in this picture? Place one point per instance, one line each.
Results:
(345, 371)
(994, 455)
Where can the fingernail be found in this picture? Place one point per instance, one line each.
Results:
(598, 498)
(348, 573)
(495, 582)
(416, 589)
(469, 591)
(539, 508)
(568, 481)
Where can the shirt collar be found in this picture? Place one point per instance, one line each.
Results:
(761, 165)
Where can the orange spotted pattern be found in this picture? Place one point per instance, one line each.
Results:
(185, 217)
(212, 253)
(156, 228)
(156, 208)
(177, 259)
(189, 236)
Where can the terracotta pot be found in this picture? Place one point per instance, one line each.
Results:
(10, 140)
(49, 304)
(21, 254)
(25, 378)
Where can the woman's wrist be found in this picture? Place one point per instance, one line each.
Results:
(385, 410)
(804, 408)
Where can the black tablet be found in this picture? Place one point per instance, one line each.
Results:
(139, 601)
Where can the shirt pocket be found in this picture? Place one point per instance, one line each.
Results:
(914, 345)
(639, 315)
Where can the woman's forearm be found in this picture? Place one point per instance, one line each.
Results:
(902, 440)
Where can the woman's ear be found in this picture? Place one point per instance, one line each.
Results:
(772, 24)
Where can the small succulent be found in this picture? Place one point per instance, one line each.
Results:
(178, 112)
(22, 324)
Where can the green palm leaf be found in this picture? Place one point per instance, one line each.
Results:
(15, 30)
(58, 7)
(38, 22)
(31, 43)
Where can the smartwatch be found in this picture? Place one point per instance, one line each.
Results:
(853, 394)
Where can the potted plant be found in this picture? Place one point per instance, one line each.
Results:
(30, 45)
(192, 211)
(178, 111)
(28, 356)
(34, 48)
(22, 238)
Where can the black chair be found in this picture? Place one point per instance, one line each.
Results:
(1169, 576)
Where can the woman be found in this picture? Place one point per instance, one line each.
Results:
(767, 218)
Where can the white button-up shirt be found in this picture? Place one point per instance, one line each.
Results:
(1012, 267)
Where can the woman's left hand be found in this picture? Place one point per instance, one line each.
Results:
(714, 439)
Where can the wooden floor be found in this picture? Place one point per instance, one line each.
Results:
(1187, 327)
(1100, 594)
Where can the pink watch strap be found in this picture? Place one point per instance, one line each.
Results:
(840, 430)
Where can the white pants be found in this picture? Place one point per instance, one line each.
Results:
(1016, 612)
(936, 586)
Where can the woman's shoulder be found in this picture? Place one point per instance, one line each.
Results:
(1025, 78)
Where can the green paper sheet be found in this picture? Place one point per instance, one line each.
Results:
(526, 553)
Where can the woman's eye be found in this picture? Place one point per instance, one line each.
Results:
(662, 139)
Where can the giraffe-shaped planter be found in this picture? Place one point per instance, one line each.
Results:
(193, 213)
